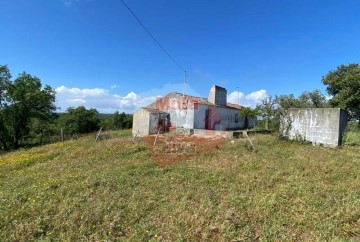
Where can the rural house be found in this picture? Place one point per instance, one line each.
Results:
(186, 114)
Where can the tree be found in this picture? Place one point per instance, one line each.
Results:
(287, 101)
(344, 86)
(267, 109)
(314, 99)
(80, 120)
(5, 77)
(41, 130)
(118, 120)
(21, 100)
(247, 112)
(128, 122)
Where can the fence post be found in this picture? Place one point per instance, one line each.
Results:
(156, 137)
(98, 135)
(62, 135)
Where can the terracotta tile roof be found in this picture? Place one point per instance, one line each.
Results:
(153, 110)
(233, 105)
(194, 99)
(199, 100)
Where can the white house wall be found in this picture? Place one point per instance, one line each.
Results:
(141, 123)
(199, 116)
(182, 118)
(226, 115)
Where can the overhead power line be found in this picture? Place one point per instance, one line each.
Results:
(152, 36)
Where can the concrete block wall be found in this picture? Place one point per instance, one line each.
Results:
(317, 125)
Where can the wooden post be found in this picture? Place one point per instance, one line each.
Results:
(156, 138)
(248, 138)
(98, 135)
(135, 135)
(41, 137)
(62, 135)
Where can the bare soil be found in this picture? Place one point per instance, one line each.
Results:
(170, 150)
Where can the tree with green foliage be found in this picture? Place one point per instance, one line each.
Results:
(21, 100)
(128, 121)
(344, 86)
(247, 112)
(314, 99)
(270, 108)
(5, 77)
(118, 120)
(80, 120)
(267, 109)
(287, 101)
(41, 131)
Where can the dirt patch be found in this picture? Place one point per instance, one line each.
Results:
(169, 150)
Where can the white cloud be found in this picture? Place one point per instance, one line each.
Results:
(257, 96)
(248, 100)
(234, 97)
(101, 99)
(107, 102)
(114, 86)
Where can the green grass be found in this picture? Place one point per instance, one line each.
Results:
(110, 190)
(352, 135)
(352, 138)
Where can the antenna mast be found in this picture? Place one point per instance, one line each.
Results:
(238, 94)
(184, 87)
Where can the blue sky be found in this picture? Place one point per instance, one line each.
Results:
(95, 54)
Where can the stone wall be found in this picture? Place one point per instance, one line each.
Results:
(317, 125)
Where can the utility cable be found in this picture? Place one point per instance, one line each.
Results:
(152, 36)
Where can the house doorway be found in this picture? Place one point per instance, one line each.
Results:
(208, 113)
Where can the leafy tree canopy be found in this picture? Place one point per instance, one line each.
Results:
(314, 99)
(21, 100)
(80, 120)
(344, 86)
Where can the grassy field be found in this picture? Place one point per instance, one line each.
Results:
(111, 190)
